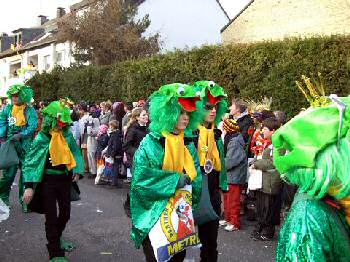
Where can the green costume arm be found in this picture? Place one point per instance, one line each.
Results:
(315, 232)
(223, 174)
(3, 121)
(34, 163)
(32, 122)
(266, 163)
(79, 169)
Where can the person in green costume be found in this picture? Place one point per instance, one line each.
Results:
(18, 122)
(52, 163)
(212, 162)
(174, 116)
(317, 142)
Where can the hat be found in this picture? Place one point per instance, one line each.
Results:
(230, 126)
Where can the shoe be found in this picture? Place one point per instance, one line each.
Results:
(67, 245)
(231, 228)
(59, 259)
(222, 223)
(127, 181)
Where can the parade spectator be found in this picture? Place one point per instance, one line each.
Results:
(236, 164)
(106, 113)
(114, 151)
(268, 199)
(239, 112)
(126, 118)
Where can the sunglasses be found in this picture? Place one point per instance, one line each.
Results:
(209, 106)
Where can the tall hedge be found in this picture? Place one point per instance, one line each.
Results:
(247, 71)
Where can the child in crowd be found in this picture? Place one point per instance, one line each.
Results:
(113, 152)
(102, 143)
(268, 199)
(236, 164)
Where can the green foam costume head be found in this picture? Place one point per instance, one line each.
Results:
(317, 142)
(166, 105)
(25, 93)
(213, 94)
(56, 113)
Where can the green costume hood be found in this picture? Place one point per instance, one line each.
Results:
(213, 94)
(317, 143)
(166, 105)
(25, 93)
(55, 113)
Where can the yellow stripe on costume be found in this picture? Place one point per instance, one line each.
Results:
(59, 150)
(18, 114)
(207, 148)
(177, 158)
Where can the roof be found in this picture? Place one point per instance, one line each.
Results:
(233, 19)
(81, 5)
(223, 9)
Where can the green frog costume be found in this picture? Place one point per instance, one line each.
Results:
(157, 172)
(317, 142)
(18, 123)
(51, 163)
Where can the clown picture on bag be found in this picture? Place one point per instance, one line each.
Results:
(175, 230)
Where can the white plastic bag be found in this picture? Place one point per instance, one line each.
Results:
(4, 211)
(255, 179)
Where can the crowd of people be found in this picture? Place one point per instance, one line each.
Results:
(191, 158)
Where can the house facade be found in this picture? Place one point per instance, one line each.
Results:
(263, 20)
(32, 50)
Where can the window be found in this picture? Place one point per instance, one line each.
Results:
(46, 62)
(60, 57)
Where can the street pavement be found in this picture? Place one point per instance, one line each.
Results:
(101, 230)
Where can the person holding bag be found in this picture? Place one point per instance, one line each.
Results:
(18, 122)
(166, 180)
(212, 162)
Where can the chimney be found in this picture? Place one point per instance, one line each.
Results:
(41, 20)
(60, 12)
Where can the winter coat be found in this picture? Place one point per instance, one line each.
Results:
(236, 160)
(132, 140)
(115, 145)
(244, 123)
(106, 117)
(102, 143)
(89, 126)
(271, 181)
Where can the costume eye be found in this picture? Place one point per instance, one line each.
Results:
(181, 91)
(211, 84)
(198, 93)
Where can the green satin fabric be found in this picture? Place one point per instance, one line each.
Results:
(307, 134)
(223, 174)
(313, 232)
(152, 187)
(34, 164)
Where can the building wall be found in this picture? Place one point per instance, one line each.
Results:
(277, 19)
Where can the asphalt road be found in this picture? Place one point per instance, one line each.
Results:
(101, 231)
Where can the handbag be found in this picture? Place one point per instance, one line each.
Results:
(8, 155)
(205, 211)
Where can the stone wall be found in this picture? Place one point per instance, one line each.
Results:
(278, 19)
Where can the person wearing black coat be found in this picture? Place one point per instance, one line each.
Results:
(114, 149)
(132, 140)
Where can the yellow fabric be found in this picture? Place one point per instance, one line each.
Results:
(59, 150)
(344, 202)
(18, 114)
(177, 158)
(207, 148)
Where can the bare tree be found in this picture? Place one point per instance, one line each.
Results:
(107, 32)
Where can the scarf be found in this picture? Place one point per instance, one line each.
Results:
(60, 153)
(18, 114)
(207, 148)
(344, 202)
(177, 157)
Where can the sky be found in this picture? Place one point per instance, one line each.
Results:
(189, 14)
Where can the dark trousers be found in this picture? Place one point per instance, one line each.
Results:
(268, 208)
(56, 191)
(149, 254)
(208, 235)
